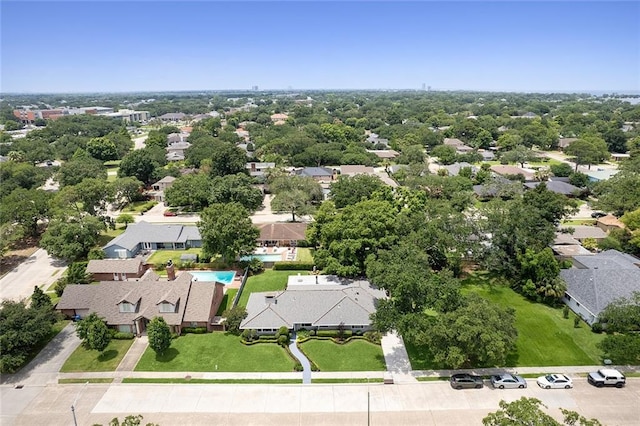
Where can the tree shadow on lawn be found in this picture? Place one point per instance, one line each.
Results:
(168, 355)
(107, 355)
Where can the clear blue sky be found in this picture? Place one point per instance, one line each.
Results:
(160, 45)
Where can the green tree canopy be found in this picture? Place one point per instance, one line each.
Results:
(71, 238)
(527, 411)
(159, 335)
(348, 190)
(295, 195)
(93, 332)
(226, 229)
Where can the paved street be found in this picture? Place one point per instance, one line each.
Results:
(428, 403)
(38, 270)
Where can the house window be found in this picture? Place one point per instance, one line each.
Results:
(127, 307)
(167, 307)
(124, 328)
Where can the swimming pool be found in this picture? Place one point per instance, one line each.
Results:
(224, 277)
(264, 257)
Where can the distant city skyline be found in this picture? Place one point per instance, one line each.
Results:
(92, 46)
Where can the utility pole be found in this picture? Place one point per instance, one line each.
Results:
(73, 406)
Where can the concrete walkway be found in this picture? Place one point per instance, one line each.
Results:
(134, 354)
(396, 358)
(39, 269)
(306, 365)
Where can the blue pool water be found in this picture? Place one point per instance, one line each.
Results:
(264, 257)
(224, 277)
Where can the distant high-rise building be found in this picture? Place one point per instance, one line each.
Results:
(423, 86)
(429, 88)
(254, 88)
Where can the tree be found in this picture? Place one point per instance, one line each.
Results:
(21, 329)
(159, 335)
(295, 195)
(621, 193)
(139, 164)
(226, 229)
(348, 190)
(539, 276)
(39, 300)
(25, 208)
(102, 149)
(127, 190)
(237, 188)
(527, 411)
(446, 154)
(192, 191)
(234, 317)
(91, 195)
(478, 334)
(71, 238)
(561, 170)
(76, 273)
(93, 332)
(588, 150)
(125, 218)
(227, 159)
(81, 166)
(623, 314)
(130, 421)
(519, 154)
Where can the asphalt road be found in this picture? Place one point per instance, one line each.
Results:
(40, 270)
(428, 403)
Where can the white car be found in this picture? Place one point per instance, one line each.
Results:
(555, 381)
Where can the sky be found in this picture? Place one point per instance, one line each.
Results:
(123, 46)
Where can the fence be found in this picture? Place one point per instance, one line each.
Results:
(239, 293)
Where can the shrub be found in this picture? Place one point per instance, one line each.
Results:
(159, 266)
(283, 340)
(249, 335)
(174, 335)
(566, 264)
(576, 322)
(373, 337)
(283, 331)
(293, 266)
(194, 330)
(122, 336)
(312, 333)
(268, 337)
(297, 366)
(565, 312)
(334, 333)
(303, 334)
(596, 327)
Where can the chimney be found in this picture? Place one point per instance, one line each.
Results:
(171, 272)
(253, 167)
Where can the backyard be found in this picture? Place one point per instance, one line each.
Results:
(545, 338)
(216, 352)
(88, 360)
(163, 256)
(269, 280)
(227, 300)
(356, 355)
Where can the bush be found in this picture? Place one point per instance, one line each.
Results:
(194, 330)
(596, 327)
(249, 335)
(59, 287)
(283, 340)
(297, 366)
(373, 337)
(293, 266)
(576, 322)
(268, 337)
(312, 333)
(159, 266)
(283, 331)
(303, 334)
(334, 333)
(174, 335)
(122, 336)
(565, 312)
(566, 264)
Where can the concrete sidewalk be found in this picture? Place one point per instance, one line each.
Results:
(134, 354)
(396, 358)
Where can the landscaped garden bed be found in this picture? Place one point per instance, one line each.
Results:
(216, 352)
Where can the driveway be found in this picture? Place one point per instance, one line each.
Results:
(40, 270)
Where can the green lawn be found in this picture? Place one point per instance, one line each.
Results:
(357, 355)
(108, 235)
(216, 352)
(545, 338)
(227, 300)
(212, 381)
(304, 255)
(163, 256)
(269, 280)
(86, 360)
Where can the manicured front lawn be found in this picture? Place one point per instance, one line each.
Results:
(545, 338)
(108, 235)
(216, 352)
(227, 300)
(356, 355)
(304, 255)
(269, 280)
(86, 360)
(163, 256)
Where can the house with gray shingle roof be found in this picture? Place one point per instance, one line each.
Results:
(116, 269)
(321, 302)
(128, 306)
(320, 174)
(558, 187)
(146, 236)
(597, 280)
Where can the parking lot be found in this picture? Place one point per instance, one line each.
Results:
(427, 403)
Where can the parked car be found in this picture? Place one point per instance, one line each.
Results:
(508, 381)
(555, 381)
(462, 381)
(169, 213)
(607, 377)
(597, 215)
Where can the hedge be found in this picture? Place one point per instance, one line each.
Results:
(293, 266)
(334, 333)
(255, 342)
(122, 336)
(194, 330)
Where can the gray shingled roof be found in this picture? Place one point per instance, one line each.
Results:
(328, 303)
(108, 266)
(556, 186)
(141, 232)
(103, 298)
(581, 232)
(316, 171)
(599, 279)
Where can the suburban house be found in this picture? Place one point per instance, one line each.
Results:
(287, 234)
(600, 174)
(319, 174)
(354, 170)
(384, 153)
(172, 116)
(259, 169)
(116, 269)
(279, 119)
(563, 143)
(146, 236)
(556, 186)
(175, 150)
(597, 280)
(582, 232)
(129, 306)
(503, 170)
(609, 222)
(454, 169)
(160, 186)
(314, 302)
(565, 247)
